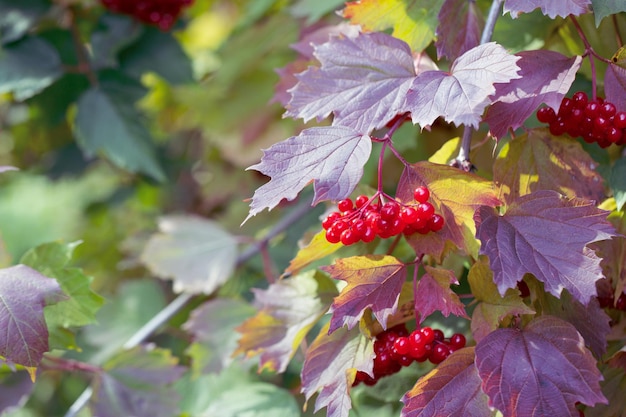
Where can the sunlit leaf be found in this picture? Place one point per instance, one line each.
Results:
(539, 161)
(330, 367)
(374, 282)
(546, 76)
(434, 294)
(548, 7)
(413, 21)
(331, 157)
(541, 370)
(451, 389)
(288, 310)
(529, 238)
(493, 308)
(461, 94)
(317, 249)
(455, 195)
(362, 81)
(196, 253)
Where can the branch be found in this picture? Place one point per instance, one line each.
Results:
(179, 302)
(462, 160)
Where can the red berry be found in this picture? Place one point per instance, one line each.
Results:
(348, 237)
(546, 115)
(425, 210)
(390, 210)
(438, 335)
(613, 134)
(330, 219)
(440, 353)
(368, 235)
(592, 109)
(427, 334)
(361, 200)
(607, 109)
(567, 105)
(401, 346)
(435, 223)
(457, 341)
(345, 205)
(619, 120)
(405, 360)
(408, 215)
(580, 99)
(332, 236)
(421, 194)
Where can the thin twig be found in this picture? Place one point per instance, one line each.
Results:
(463, 160)
(179, 302)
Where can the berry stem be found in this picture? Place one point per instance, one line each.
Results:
(381, 160)
(417, 262)
(589, 52)
(394, 244)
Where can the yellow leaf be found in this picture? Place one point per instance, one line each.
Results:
(317, 249)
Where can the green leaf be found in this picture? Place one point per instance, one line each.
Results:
(114, 33)
(158, 52)
(604, 8)
(106, 122)
(197, 253)
(53, 259)
(234, 393)
(27, 67)
(617, 181)
(17, 17)
(314, 10)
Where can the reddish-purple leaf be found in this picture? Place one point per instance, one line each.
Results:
(461, 94)
(542, 370)
(460, 25)
(24, 293)
(591, 321)
(550, 8)
(330, 366)
(546, 76)
(362, 80)
(138, 383)
(288, 310)
(615, 86)
(374, 281)
(452, 389)
(332, 157)
(434, 294)
(545, 234)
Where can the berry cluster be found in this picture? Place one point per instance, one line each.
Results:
(162, 13)
(610, 302)
(363, 219)
(594, 120)
(395, 348)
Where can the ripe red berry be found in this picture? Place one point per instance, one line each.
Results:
(546, 115)
(440, 353)
(390, 211)
(435, 223)
(580, 99)
(330, 219)
(361, 200)
(428, 335)
(438, 335)
(607, 109)
(425, 210)
(457, 341)
(408, 215)
(421, 194)
(345, 205)
(619, 120)
(401, 346)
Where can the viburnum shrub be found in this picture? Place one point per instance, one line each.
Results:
(535, 231)
(446, 232)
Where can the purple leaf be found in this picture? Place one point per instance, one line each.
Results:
(461, 94)
(362, 80)
(374, 282)
(452, 389)
(24, 293)
(138, 383)
(615, 86)
(288, 310)
(591, 321)
(546, 76)
(16, 388)
(332, 157)
(551, 8)
(330, 366)
(460, 25)
(542, 370)
(546, 235)
(434, 294)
